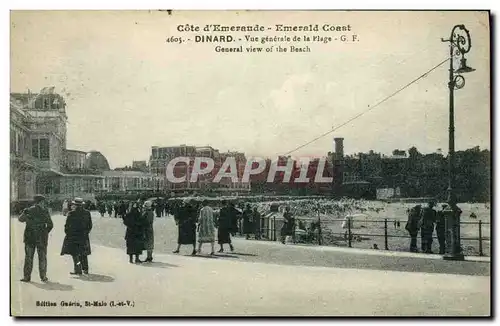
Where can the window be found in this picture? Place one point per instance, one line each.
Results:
(20, 145)
(34, 148)
(12, 141)
(44, 149)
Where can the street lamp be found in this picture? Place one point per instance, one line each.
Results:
(460, 44)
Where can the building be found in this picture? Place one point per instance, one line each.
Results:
(140, 166)
(161, 156)
(95, 161)
(40, 161)
(74, 160)
(130, 181)
(44, 119)
(23, 168)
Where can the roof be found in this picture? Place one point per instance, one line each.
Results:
(75, 151)
(95, 160)
(127, 174)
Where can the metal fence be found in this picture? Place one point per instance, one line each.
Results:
(383, 234)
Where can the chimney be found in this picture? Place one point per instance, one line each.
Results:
(338, 166)
(339, 148)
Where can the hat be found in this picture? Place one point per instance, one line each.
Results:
(77, 201)
(148, 204)
(38, 198)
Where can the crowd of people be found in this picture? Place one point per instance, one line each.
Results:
(427, 220)
(139, 236)
(117, 208)
(200, 221)
(202, 218)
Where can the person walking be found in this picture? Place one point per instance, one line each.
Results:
(76, 241)
(116, 208)
(413, 225)
(186, 222)
(248, 228)
(441, 229)
(427, 227)
(101, 207)
(226, 225)
(206, 227)
(134, 236)
(109, 208)
(257, 223)
(122, 209)
(65, 207)
(159, 208)
(166, 208)
(36, 237)
(149, 236)
(288, 228)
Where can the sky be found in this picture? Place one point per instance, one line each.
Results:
(127, 89)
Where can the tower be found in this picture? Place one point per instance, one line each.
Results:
(339, 148)
(338, 167)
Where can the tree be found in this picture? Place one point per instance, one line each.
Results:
(398, 152)
(413, 152)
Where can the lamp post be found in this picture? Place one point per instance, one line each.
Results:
(460, 44)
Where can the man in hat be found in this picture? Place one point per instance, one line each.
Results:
(428, 219)
(36, 236)
(76, 242)
(413, 225)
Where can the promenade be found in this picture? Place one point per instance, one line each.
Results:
(258, 279)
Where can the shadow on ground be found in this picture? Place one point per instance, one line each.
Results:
(158, 264)
(226, 256)
(244, 254)
(95, 278)
(205, 256)
(53, 286)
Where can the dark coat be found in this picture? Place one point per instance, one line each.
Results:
(226, 224)
(187, 216)
(77, 228)
(413, 223)
(257, 221)
(135, 234)
(248, 223)
(38, 225)
(428, 219)
(101, 207)
(440, 222)
(288, 227)
(149, 234)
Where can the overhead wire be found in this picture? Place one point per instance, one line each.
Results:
(370, 107)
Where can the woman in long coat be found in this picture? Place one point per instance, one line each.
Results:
(149, 236)
(248, 227)
(226, 226)
(186, 222)
(134, 237)
(76, 241)
(206, 227)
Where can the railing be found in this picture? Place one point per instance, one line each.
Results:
(363, 233)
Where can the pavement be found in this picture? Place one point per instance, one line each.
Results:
(110, 232)
(258, 279)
